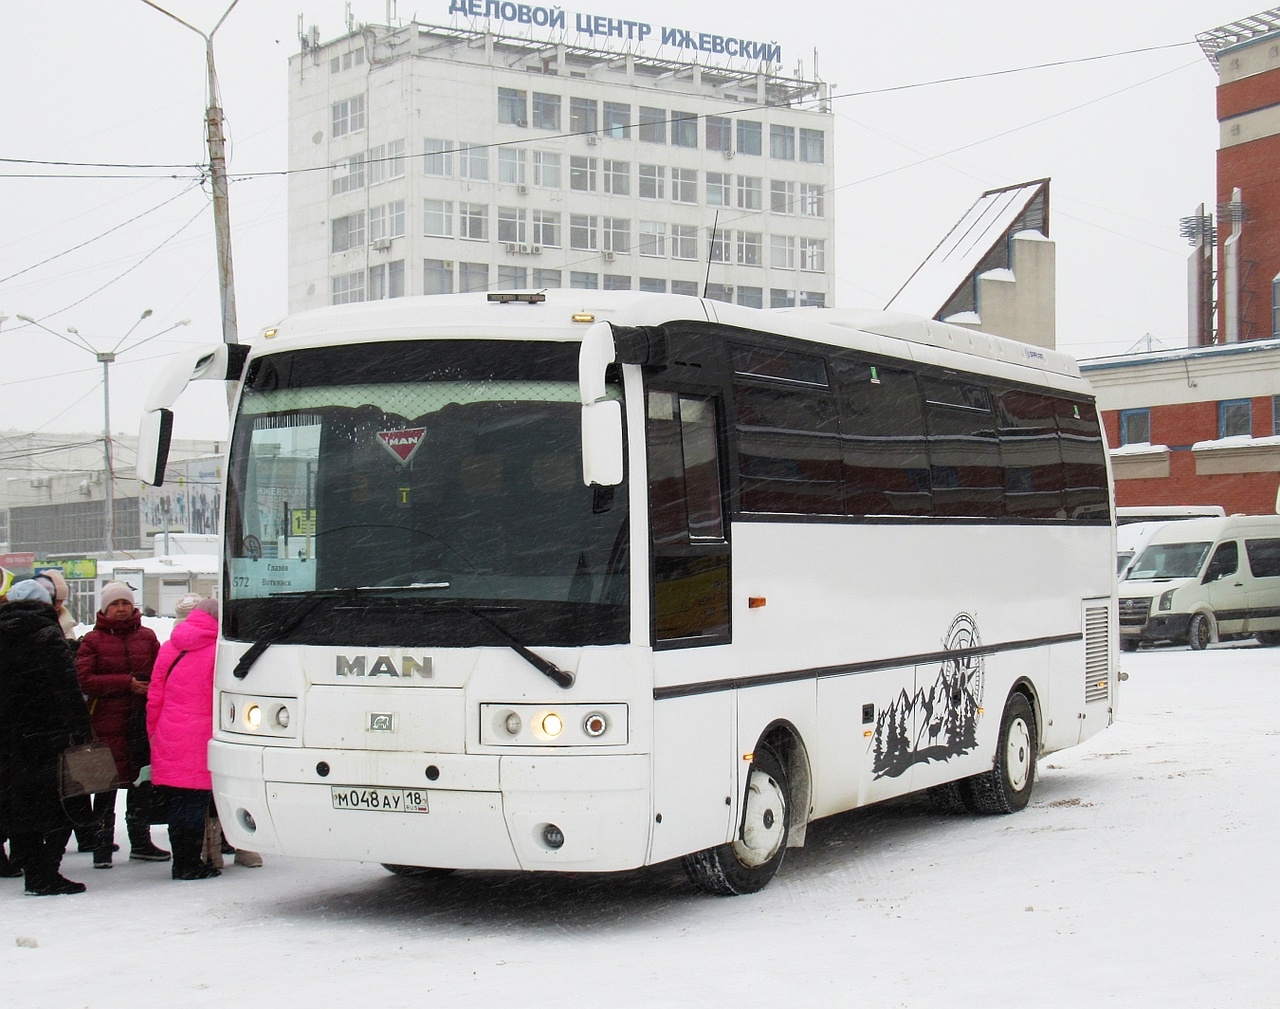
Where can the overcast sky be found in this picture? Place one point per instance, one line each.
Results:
(1129, 142)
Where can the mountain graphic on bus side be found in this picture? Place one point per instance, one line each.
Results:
(946, 716)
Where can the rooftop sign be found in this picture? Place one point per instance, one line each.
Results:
(600, 27)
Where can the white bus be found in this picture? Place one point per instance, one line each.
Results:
(584, 581)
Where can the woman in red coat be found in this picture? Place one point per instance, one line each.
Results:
(114, 664)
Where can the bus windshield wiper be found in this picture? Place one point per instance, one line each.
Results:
(308, 602)
(560, 677)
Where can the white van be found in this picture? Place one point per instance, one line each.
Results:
(1203, 580)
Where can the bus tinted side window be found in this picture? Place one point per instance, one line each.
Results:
(1032, 455)
(882, 437)
(964, 454)
(1085, 493)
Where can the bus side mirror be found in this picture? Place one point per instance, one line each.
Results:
(602, 443)
(154, 434)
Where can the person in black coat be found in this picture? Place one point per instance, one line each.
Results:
(42, 712)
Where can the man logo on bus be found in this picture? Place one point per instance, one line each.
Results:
(384, 665)
(945, 716)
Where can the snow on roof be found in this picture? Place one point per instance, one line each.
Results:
(956, 257)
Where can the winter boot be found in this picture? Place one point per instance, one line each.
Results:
(105, 843)
(41, 854)
(213, 842)
(141, 847)
(187, 843)
(248, 859)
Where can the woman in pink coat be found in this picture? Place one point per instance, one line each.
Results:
(180, 724)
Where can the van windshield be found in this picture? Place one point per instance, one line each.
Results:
(1168, 560)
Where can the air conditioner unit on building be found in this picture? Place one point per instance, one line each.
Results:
(512, 246)
(522, 188)
(592, 138)
(536, 250)
(609, 257)
(382, 244)
(524, 249)
(729, 154)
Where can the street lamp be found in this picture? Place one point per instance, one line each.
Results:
(106, 359)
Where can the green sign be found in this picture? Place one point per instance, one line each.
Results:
(71, 568)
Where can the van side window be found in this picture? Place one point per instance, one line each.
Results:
(1226, 561)
(1264, 557)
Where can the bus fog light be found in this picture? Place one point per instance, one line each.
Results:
(552, 725)
(282, 717)
(595, 724)
(513, 724)
(553, 836)
(253, 716)
(247, 821)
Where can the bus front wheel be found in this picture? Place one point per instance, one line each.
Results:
(748, 863)
(1006, 788)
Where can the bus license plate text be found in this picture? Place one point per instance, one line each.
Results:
(389, 800)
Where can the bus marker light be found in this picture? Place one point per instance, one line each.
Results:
(553, 836)
(867, 734)
(269, 333)
(253, 716)
(282, 717)
(595, 724)
(583, 317)
(552, 724)
(513, 724)
(755, 602)
(749, 757)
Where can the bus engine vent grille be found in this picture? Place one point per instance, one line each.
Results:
(1097, 652)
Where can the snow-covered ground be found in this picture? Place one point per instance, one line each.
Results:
(1144, 873)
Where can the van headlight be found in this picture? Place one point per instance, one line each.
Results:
(1166, 600)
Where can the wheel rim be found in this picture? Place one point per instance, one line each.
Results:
(1018, 755)
(1202, 632)
(764, 821)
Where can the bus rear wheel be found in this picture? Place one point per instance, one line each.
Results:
(747, 864)
(416, 871)
(1006, 788)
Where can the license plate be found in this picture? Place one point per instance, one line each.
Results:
(387, 800)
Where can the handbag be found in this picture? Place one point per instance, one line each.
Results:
(86, 769)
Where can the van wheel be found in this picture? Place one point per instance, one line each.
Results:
(747, 864)
(1268, 638)
(1128, 644)
(1199, 633)
(1006, 788)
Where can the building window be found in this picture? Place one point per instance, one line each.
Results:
(688, 288)
(684, 129)
(750, 244)
(437, 276)
(751, 297)
(348, 117)
(347, 288)
(721, 245)
(512, 226)
(582, 232)
(653, 125)
(613, 283)
(782, 196)
(1275, 307)
(511, 163)
(748, 136)
(778, 298)
(718, 184)
(684, 241)
(584, 115)
(386, 281)
(346, 61)
(546, 111)
(782, 142)
(813, 254)
(813, 299)
(386, 161)
(812, 147)
(617, 234)
(582, 174)
(617, 177)
(653, 238)
(473, 162)
(684, 185)
(584, 281)
(720, 292)
(617, 120)
(546, 229)
(348, 175)
(513, 107)
(810, 200)
(653, 182)
(749, 189)
(653, 285)
(546, 169)
(782, 252)
(386, 221)
(437, 218)
(719, 133)
(473, 224)
(473, 277)
(1235, 418)
(347, 233)
(512, 277)
(437, 157)
(1275, 415)
(546, 278)
(1135, 427)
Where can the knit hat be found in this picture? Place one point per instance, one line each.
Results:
(209, 606)
(113, 591)
(183, 607)
(60, 591)
(29, 589)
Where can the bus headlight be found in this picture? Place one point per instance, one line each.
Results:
(252, 715)
(556, 725)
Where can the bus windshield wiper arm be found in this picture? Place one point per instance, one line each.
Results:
(560, 677)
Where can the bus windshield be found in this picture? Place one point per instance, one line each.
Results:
(437, 483)
(1169, 560)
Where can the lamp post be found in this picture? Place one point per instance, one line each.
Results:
(106, 359)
